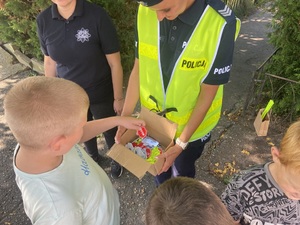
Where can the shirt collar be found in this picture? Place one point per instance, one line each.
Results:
(192, 14)
(77, 12)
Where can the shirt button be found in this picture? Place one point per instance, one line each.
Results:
(172, 38)
(174, 27)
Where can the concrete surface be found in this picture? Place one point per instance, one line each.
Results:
(9, 66)
(234, 142)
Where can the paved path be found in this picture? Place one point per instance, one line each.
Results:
(232, 135)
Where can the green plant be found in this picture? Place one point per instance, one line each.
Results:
(241, 8)
(285, 63)
(17, 25)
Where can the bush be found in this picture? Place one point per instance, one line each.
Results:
(241, 8)
(17, 25)
(285, 63)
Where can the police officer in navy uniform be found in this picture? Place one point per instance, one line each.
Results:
(80, 43)
(184, 51)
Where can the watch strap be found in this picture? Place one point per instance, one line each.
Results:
(182, 144)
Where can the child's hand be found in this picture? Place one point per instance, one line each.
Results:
(121, 130)
(129, 123)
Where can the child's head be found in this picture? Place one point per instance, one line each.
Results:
(286, 167)
(186, 201)
(289, 155)
(40, 108)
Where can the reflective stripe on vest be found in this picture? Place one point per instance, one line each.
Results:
(190, 70)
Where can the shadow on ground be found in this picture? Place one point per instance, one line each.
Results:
(11, 203)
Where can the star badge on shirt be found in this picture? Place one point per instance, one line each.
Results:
(83, 35)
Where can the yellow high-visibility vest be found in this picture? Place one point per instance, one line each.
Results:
(190, 70)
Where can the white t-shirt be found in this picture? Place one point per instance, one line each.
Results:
(78, 191)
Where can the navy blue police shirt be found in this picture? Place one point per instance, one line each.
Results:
(79, 45)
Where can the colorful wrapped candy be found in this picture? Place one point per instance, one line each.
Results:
(146, 147)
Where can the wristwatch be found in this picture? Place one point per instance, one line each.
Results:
(183, 145)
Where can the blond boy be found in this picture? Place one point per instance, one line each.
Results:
(269, 194)
(59, 182)
(186, 201)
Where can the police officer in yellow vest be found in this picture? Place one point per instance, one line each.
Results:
(184, 52)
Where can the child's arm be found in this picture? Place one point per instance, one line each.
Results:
(95, 127)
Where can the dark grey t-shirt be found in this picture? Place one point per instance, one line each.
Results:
(254, 197)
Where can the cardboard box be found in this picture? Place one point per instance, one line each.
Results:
(158, 128)
(261, 126)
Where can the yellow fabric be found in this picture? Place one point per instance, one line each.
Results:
(190, 70)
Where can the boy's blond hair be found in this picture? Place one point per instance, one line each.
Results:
(184, 200)
(290, 147)
(40, 108)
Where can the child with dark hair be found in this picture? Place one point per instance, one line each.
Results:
(184, 200)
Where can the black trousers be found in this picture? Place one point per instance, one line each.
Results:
(99, 111)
